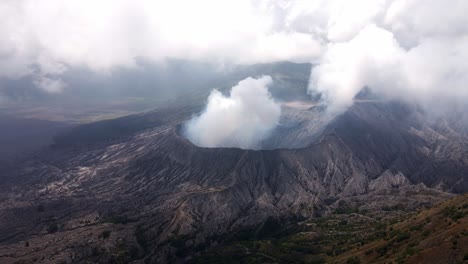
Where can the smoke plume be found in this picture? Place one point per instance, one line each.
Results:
(415, 51)
(242, 119)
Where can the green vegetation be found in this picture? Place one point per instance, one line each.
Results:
(393, 235)
(40, 208)
(116, 219)
(454, 212)
(313, 241)
(397, 207)
(104, 234)
(52, 227)
(141, 238)
(353, 260)
(344, 208)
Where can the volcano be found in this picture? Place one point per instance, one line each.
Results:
(137, 186)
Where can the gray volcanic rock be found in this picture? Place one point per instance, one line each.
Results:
(389, 181)
(300, 125)
(161, 183)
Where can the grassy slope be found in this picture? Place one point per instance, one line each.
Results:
(436, 235)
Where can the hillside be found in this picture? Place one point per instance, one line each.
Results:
(393, 235)
(436, 235)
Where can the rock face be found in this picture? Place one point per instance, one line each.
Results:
(161, 183)
(389, 181)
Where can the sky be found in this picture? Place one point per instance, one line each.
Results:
(348, 40)
(44, 38)
(414, 50)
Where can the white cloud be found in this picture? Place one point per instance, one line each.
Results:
(242, 119)
(414, 20)
(104, 34)
(371, 58)
(413, 50)
(49, 85)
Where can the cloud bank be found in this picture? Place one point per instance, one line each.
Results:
(412, 50)
(242, 119)
(45, 38)
(409, 49)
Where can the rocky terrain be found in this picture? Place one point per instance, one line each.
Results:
(137, 197)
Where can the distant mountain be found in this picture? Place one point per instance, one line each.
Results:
(154, 84)
(20, 136)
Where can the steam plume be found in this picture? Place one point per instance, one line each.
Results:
(242, 119)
